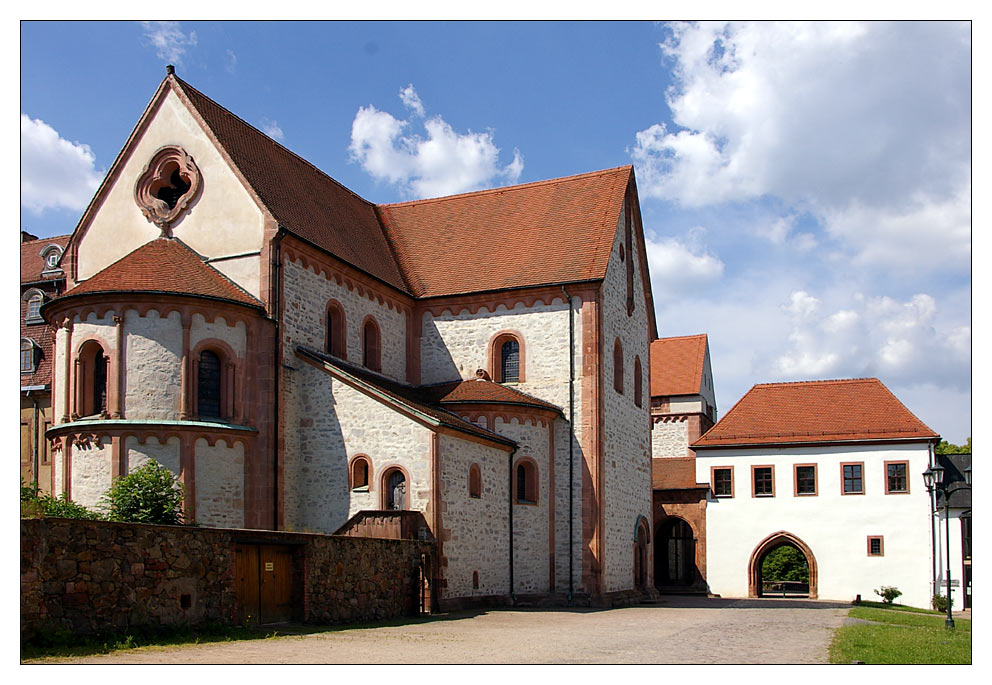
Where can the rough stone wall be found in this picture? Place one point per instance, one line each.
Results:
(167, 454)
(669, 438)
(306, 295)
(477, 527)
(627, 438)
(90, 472)
(218, 329)
(220, 481)
(454, 344)
(153, 350)
(326, 424)
(95, 576)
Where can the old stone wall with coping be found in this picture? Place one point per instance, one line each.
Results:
(91, 472)
(669, 438)
(220, 483)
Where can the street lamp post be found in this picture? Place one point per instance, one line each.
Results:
(934, 478)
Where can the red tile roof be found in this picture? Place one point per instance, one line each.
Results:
(861, 409)
(480, 391)
(560, 230)
(303, 199)
(677, 365)
(164, 265)
(32, 263)
(553, 231)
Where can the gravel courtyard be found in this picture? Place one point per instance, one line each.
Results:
(676, 630)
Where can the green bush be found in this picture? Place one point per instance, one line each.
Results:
(939, 602)
(149, 494)
(888, 593)
(36, 505)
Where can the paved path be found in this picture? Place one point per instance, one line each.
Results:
(677, 630)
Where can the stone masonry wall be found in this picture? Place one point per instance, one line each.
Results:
(220, 483)
(669, 438)
(95, 576)
(153, 350)
(166, 454)
(90, 472)
(477, 529)
(627, 437)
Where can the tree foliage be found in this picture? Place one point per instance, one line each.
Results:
(785, 563)
(149, 494)
(888, 593)
(36, 505)
(950, 448)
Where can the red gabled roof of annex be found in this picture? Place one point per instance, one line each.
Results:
(164, 265)
(860, 409)
(677, 365)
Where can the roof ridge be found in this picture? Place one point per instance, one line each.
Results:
(271, 140)
(680, 337)
(502, 189)
(821, 381)
(210, 266)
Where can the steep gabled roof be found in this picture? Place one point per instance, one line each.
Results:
(303, 199)
(164, 265)
(555, 231)
(32, 263)
(856, 410)
(677, 365)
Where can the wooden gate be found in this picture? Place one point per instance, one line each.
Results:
(264, 583)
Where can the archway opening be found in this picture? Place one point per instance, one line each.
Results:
(675, 554)
(782, 565)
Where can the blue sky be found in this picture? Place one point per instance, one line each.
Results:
(805, 188)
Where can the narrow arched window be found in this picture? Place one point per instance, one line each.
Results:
(618, 366)
(395, 490)
(371, 345)
(360, 474)
(474, 481)
(91, 380)
(34, 307)
(336, 331)
(208, 385)
(509, 360)
(526, 486)
(27, 356)
(637, 381)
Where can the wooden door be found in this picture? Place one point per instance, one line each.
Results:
(264, 583)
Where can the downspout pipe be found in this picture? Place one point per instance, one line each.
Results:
(571, 440)
(513, 596)
(933, 531)
(276, 369)
(34, 445)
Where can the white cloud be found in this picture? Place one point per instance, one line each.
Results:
(678, 269)
(271, 128)
(169, 41)
(866, 126)
(801, 304)
(440, 162)
(232, 62)
(55, 172)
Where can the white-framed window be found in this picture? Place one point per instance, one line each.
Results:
(29, 355)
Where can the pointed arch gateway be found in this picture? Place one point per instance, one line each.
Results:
(767, 545)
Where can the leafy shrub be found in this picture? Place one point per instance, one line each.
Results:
(149, 494)
(939, 602)
(888, 593)
(36, 505)
(785, 563)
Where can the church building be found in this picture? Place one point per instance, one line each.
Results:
(297, 354)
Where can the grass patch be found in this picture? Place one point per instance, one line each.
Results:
(901, 607)
(905, 637)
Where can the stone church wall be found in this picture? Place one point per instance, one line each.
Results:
(220, 484)
(306, 295)
(167, 454)
(627, 438)
(153, 353)
(478, 527)
(669, 438)
(90, 472)
(218, 329)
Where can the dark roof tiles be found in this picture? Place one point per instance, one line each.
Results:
(677, 365)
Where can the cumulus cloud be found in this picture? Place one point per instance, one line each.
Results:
(232, 62)
(874, 336)
(55, 173)
(271, 129)
(866, 126)
(169, 41)
(441, 161)
(678, 268)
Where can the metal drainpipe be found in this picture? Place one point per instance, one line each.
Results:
(513, 596)
(34, 449)
(276, 368)
(933, 533)
(571, 424)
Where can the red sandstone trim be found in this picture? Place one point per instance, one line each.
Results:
(795, 481)
(532, 484)
(762, 466)
(551, 506)
(338, 346)
(881, 545)
(351, 471)
(769, 543)
(490, 301)
(852, 463)
(885, 476)
(713, 470)
(371, 344)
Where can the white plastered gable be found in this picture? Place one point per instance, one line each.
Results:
(222, 221)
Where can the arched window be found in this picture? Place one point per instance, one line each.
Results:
(474, 481)
(32, 311)
(526, 485)
(394, 490)
(506, 358)
(618, 366)
(371, 345)
(361, 471)
(208, 385)
(637, 381)
(91, 380)
(336, 337)
(29, 355)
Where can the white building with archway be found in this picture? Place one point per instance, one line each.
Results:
(833, 468)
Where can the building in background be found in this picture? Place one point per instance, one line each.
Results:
(953, 523)
(42, 279)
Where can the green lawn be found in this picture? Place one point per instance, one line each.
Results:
(904, 637)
